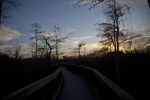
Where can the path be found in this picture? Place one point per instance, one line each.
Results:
(75, 87)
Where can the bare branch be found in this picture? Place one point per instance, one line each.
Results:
(7, 5)
(11, 2)
(93, 3)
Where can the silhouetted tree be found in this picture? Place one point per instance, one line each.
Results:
(58, 40)
(114, 11)
(107, 33)
(17, 51)
(48, 41)
(7, 5)
(36, 27)
(101, 52)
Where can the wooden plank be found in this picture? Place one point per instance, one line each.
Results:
(115, 88)
(31, 88)
(58, 91)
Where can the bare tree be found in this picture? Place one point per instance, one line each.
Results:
(58, 40)
(114, 11)
(48, 41)
(17, 51)
(36, 27)
(106, 32)
(7, 5)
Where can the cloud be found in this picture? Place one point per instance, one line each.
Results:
(75, 42)
(74, 50)
(7, 34)
(23, 34)
(71, 30)
(52, 20)
(5, 47)
(47, 34)
(70, 47)
(81, 38)
(142, 28)
(92, 47)
(25, 51)
(68, 52)
(139, 2)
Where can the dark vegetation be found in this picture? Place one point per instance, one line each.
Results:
(133, 68)
(17, 73)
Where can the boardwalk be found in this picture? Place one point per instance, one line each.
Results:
(75, 87)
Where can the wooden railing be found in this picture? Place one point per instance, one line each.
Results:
(31, 88)
(116, 92)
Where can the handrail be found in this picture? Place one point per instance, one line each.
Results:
(115, 88)
(31, 88)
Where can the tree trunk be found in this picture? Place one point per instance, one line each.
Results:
(0, 12)
(115, 36)
(36, 43)
(117, 53)
(49, 55)
(49, 59)
(56, 49)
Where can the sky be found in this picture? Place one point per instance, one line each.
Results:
(61, 13)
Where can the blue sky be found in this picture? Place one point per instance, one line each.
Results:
(49, 13)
